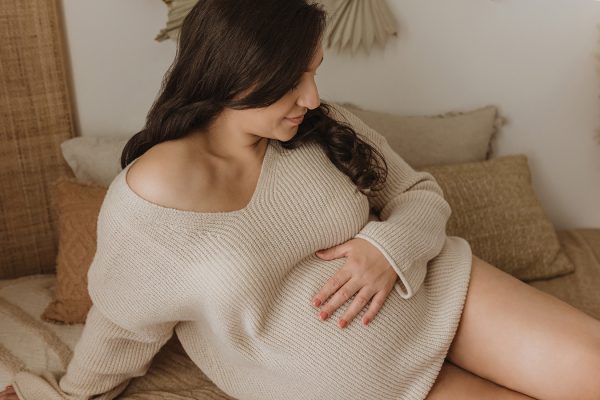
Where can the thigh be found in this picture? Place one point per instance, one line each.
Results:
(524, 339)
(455, 383)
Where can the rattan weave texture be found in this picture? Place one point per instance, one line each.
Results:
(36, 115)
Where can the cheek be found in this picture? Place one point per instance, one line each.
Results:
(276, 114)
(279, 118)
(266, 121)
(273, 122)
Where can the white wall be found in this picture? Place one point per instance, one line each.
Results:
(533, 59)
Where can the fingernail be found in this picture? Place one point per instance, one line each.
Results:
(343, 323)
(316, 302)
(323, 315)
(366, 321)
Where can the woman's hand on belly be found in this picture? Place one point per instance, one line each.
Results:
(366, 271)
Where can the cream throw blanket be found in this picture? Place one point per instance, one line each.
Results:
(28, 342)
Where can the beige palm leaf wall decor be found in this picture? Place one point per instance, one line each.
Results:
(178, 9)
(358, 23)
(352, 24)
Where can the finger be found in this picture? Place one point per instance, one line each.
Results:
(333, 252)
(360, 301)
(375, 306)
(341, 296)
(340, 277)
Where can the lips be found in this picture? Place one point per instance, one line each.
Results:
(297, 120)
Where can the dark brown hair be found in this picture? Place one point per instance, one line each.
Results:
(228, 46)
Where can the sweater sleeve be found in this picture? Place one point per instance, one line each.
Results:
(105, 359)
(413, 214)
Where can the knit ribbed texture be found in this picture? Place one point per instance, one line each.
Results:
(236, 287)
(414, 214)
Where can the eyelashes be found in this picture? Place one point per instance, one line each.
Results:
(296, 85)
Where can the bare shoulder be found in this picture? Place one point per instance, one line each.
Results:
(166, 175)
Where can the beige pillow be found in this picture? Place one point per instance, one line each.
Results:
(496, 210)
(421, 140)
(94, 159)
(77, 207)
(449, 138)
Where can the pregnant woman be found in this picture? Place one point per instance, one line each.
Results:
(240, 223)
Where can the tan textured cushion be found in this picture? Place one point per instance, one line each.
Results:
(77, 207)
(449, 138)
(495, 209)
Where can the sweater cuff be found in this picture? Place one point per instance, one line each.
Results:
(411, 279)
(45, 385)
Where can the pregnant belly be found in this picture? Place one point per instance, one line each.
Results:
(403, 347)
(299, 332)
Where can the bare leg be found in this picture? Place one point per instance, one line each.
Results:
(526, 340)
(455, 383)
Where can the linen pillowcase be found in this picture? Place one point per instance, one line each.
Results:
(495, 208)
(449, 138)
(94, 159)
(77, 207)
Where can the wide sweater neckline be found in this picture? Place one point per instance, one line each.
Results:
(176, 215)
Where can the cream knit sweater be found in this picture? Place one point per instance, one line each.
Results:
(236, 287)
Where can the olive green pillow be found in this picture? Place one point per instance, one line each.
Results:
(495, 209)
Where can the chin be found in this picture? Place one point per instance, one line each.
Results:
(287, 135)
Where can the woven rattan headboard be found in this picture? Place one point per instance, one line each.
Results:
(36, 116)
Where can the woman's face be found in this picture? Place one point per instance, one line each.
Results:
(273, 121)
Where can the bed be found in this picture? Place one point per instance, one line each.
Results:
(39, 118)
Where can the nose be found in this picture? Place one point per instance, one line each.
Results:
(309, 96)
